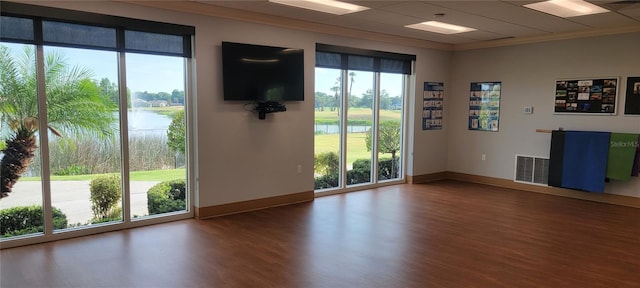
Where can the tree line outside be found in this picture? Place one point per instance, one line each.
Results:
(110, 90)
(324, 101)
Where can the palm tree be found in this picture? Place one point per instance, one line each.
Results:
(352, 76)
(74, 105)
(336, 88)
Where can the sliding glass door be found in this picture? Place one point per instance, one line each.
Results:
(359, 123)
(360, 126)
(328, 129)
(19, 152)
(157, 134)
(390, 126)
(84, 135)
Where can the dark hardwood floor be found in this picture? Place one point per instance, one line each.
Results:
(441, 234)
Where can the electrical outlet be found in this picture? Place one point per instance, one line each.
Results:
(484, 157)
(299, 168)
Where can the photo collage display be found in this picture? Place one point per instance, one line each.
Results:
(586, 96)
(484, 106)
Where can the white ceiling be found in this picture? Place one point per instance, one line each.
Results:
(493, 19)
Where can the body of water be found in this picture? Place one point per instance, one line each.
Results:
(140, 122)
(143, 121)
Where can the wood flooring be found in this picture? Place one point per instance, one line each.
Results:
(440, 234)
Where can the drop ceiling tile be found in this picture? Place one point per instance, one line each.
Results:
(233, 4)
(382, 16)
(632, 11)
(374, 3)
(414, 8)
(604, 20)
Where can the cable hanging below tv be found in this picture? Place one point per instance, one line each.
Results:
(264, 75)
(263, 108)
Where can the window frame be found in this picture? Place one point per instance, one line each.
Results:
(37, 14)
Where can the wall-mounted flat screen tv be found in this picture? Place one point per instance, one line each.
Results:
(262, 73)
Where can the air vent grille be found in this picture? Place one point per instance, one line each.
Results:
(531, 169)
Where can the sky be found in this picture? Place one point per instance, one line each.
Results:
(149, 73)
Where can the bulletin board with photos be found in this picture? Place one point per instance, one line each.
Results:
(432, 107)
(484, 106)
(586, 96)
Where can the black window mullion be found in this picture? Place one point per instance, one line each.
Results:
(344, 61)
(186, 46)
(376, 65)
(37, 31)
(120, 40)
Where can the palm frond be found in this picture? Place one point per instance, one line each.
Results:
(74, 101)
(18, 98)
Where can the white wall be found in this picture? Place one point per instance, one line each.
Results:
(528, 74)
(430, 146)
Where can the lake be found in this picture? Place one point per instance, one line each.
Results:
(147, 122)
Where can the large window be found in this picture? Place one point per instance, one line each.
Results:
(82, 146)
(359, 117)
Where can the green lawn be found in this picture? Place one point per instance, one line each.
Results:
(152, 175)
(356, 147)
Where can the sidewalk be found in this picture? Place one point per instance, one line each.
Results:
(73, 198)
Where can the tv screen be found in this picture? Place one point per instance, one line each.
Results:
(262, 73)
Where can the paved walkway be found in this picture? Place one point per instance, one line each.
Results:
(73, 198)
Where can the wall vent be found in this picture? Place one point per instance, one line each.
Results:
(531, 169)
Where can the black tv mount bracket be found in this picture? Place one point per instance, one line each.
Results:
(263, 108)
